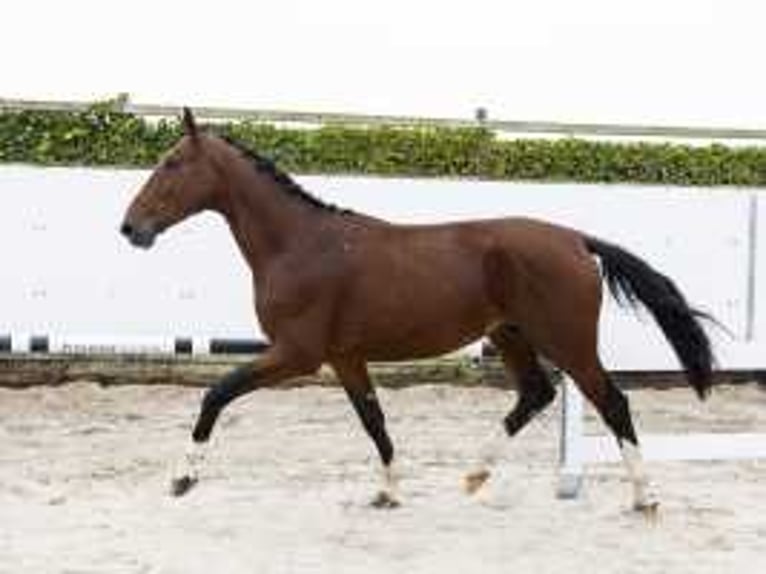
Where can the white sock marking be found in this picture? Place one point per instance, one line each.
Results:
(390, 481)
(644, 492)
(492, 447)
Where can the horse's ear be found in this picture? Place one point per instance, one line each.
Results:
(190, 126)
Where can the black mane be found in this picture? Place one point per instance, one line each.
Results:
(286, 183)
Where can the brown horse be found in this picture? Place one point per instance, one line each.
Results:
(337, 287)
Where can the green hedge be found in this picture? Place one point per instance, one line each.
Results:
(101, 136)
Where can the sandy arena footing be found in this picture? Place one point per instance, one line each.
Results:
(84, 474)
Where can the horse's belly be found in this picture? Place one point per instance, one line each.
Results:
(416, 347)
(408, 325)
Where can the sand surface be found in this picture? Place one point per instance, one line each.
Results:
(84, 473)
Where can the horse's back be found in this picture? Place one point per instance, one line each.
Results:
(430, 288)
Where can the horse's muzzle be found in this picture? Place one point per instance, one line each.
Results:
(139, 235)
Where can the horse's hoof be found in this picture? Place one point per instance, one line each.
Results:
(474, 481)
(384, 500)
(182, 485)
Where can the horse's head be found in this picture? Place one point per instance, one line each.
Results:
(184, 183)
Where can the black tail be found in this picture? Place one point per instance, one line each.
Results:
(632, 280)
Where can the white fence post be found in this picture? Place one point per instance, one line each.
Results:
(570, 454)
(752, 266)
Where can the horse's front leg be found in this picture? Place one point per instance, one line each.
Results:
(356, 381)
(274, 366)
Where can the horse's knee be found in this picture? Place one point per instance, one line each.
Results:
(238, 382)
(233, 384)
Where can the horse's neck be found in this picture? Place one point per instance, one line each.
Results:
(265, 220)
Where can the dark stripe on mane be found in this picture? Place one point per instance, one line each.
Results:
(286, 183)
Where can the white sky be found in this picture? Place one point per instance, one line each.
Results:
(651, 61)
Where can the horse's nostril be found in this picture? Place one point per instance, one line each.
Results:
(139, 234)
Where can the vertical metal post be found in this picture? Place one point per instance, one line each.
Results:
(570, 447)
(752, 266)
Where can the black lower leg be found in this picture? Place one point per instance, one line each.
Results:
(237, 382)
(374, 422)
(536, 392)
(615, 411)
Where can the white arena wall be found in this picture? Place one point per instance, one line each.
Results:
(66, 270)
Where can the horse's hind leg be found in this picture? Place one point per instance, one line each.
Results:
(614, 409)
(535, 392)
(562, 323)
